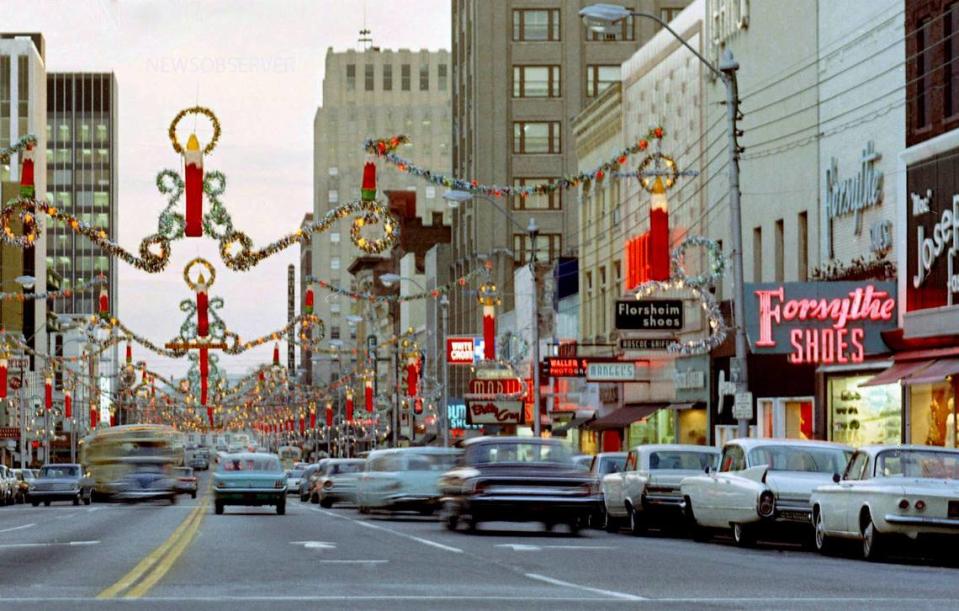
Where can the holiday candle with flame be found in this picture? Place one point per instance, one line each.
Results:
(276, 354)
(658, 232)
(193, 160)
(349, 405)
(368, 395)
(329, 414)
(308, 301)
(302, 424)
(48, 393)
(67, 404)
(27, 188)
(412, 376)
(312, 416)
(104, 303)
(93, 416)
(209, 415)
(3, 377)
(202, 308)
(204, 374)
(489, 332)
(368, 190)
(129, 354)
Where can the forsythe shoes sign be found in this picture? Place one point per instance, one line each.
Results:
(820, 322)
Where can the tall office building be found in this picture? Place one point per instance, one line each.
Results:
(82, 181)
(521, 72)
(373, 93)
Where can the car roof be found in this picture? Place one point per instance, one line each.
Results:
(875, 449)
(750, 443)
(341, 461)
(497, 439)
(612, 455)
(414, 450)
(675, 447)
(61, 464)
(247, 455)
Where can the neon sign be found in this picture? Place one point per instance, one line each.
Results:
(823, 322)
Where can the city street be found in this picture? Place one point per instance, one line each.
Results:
(68, 557)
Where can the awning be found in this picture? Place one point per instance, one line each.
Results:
(897, 372)
(579, 418)
(625, 416)
(936, 372)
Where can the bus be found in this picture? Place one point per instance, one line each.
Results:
(109, 454)
(289, 456)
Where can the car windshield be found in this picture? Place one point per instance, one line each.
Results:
(930, 464)
(518, 452)
(612, 464)
(60, 471)
(249, 463)
(338, 469)
(682, 461)
(296, 473)
(430, 462)
(800, 458)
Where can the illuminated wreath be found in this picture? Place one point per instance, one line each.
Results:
(31, 230)
(716, 264)
(714, 316)
(372, 216)
(201, 262)
(648, 181)
(195, 110)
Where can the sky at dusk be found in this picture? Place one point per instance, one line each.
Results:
(259, 65)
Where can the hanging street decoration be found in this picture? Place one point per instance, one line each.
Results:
(385, 148)
(436, 293)
(488, 296)
(193, 167)
(21, 145)
(83, 287)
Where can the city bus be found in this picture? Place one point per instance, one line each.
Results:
(110, 454)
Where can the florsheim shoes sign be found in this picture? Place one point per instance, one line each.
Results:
(820, 322)
(649, 314)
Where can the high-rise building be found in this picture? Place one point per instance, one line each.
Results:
(521, 72)
(82, 181)
(366, 94)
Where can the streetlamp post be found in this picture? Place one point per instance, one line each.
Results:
(533, 232)
(602, 18)
(444, 366)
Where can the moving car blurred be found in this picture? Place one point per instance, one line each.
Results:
(199, 463)
(762, 484)
(60, 482)
(336, 482)
(9, 486)
(24, 478)
(113, 454)
(583, 461)
(186, 482)
(602, 465)
(307, 480)
(889, 492)
(403, 479)
(249, 478)
(648, 487)
(293, 477)
(146, 481)
(517, 479)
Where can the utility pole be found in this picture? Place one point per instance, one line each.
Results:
(444, 399)
(24, 448)
(533, 231)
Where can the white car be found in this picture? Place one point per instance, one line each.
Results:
(8, 486)
(888, 491)
(648, 487)
(761, 483)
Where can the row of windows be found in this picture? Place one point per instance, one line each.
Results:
(87, 133)
(64, 155)
(65, 199)
(369, 77)
(778, 251)
(600, 296)
(546, 81)
(542, 25)
(549, 246)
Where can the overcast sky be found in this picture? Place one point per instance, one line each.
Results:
(259, 65)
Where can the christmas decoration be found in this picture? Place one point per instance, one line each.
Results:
(48, 391)
(716, 264)
(368, 190)
(308, 301)
(27, 187)
(436, 293)
(349, 405)
(3, 376)
(26, 141)
(488, 296)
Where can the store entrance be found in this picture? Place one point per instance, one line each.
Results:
(785, 417)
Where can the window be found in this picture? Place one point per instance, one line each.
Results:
(549, 246)
(333, 196)
(780, 263)
(387, 77)
(552, 200)
(334, 263)
(950, 36)
(857, 466)
(441, 76)
(405, 77)
(351, 77)
(758, 254)
(536, 82)
(436, 218)
(334, 331)
(802, 246)
(430, 192)
(598, 78)
(424, 77)
(669, 13)
(922, 79)
(537, 137)
(335, 237)
(333, 171)
(626, 30)
(368, 76)
(535, 25)
(734, 459)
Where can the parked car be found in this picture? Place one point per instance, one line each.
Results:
(517, 479)
(761, 484)
(403, 479)
(583, 461)
(249, 478)
(886, 492)
(186, 481)
(600, 466)
(306, 481)
(648, 487)
(146, 481)
(9, 486)
(336, 481)
(60, 482)
(24, 477)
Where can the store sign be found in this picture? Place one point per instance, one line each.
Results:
(611, 372)
(497, 387)
(456, 412)
(645, 343)
(851, 196)
(494, 412)
(561, 367)
(460, 350)
(649, 314)
(820, 322)
(689, 380)
(9, 432)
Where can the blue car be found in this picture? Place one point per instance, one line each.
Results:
(249, 478)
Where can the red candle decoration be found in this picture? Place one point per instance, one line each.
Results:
(489, 332)
(204, 374)
(368, 191)
(67, 404)
(48, 393)
(202, 308)
(113, 419)
(329, 414)
(368, 392)
(658, 233)
(104, 303)
(276, 354)
(349, 405)
(312, 417)
(412, 377)
(193, 160)
(308, 299)
(93, 417)
(3, 378)
(27, 188)
(209, 415)
(129, 354)
(418, 407)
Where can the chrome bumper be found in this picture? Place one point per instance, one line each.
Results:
(922, 521)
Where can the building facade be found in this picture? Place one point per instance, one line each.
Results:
(374, 93)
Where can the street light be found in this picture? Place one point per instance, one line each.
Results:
(603, 18)
(533, 232)
(27, 282)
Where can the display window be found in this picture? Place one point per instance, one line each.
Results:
(692, 426)
(588, 442)
(932, 412)
(790, 418)
(864, 415)
(658, 427)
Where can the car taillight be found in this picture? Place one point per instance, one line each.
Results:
(920, 505)
(767, 504)
(904, 504)
(328, 483)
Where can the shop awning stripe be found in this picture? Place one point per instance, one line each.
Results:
(936, 372)
(897, 372)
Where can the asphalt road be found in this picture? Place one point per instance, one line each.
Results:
(183, 557)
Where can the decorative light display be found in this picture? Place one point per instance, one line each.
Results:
(488, 296)
(436, 293)
(20, 146)
(716, 265)
(84, 287)
(193, 167)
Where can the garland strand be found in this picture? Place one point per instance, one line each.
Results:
(58, 294)
(17, 148)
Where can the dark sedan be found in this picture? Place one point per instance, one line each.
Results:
(60, 483)
(517, 479)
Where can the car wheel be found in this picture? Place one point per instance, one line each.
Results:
(637, 525)
(88, 499)
(76, 500)
(218, 508)
(451, 520)
(315, 499)
(574, 526)
(35, 503)
(743, 535)
(193, 494)
(610, 524)
(326, 503)
(824, 543)
(281, 508)
(46, 503)
(548, 526)
(173, 499)
(873, 542)
(303, 498)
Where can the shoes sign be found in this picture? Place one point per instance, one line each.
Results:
(649, 314)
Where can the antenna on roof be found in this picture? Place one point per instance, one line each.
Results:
(365, 40)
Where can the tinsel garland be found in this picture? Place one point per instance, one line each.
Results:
(372, 297)
(195, 110)
(714, 317)
(58, 294)
(385, 148)
(716, 263)
(860, 268)
(17, 148)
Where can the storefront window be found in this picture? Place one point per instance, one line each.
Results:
(587, 442)
(863, 415)
(932, 415)
(658, 427)
(692, 426)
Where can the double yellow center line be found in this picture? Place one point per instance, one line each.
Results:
(151, 569)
